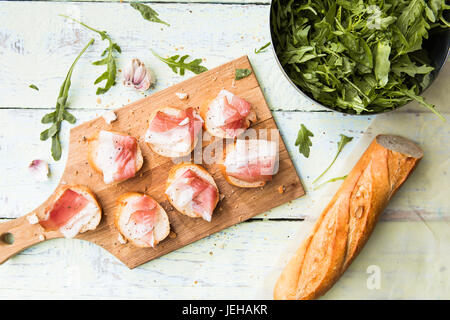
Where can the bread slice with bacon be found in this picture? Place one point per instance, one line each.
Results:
(115, 155)
(192, 191)
(173, 132)
(227, 115)
(141, 220)
(249, 163)
(75, 210)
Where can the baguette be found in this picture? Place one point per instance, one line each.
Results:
(345, 225)
(87, 218)
(93, 157)
(161, 227)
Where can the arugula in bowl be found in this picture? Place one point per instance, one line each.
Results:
(357, 56)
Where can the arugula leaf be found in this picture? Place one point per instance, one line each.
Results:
(180, 66)
(341, 144)
(262, 48)
(60, 114)
(242, 73)
(32, 86)
(303, 142)
(111, 70)
(357, 56)
(148, 13)
(331, 180)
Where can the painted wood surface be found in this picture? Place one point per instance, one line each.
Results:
(230, 264)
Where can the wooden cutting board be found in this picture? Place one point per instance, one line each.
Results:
(236, 205)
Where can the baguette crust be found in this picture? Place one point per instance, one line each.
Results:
(173, 173)
(92, 151)
(347, 222)
(161, 229)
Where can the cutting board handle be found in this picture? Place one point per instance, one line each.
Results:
(19, 234)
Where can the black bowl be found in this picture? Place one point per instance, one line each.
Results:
(437, 47)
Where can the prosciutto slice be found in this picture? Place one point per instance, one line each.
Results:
(68, 205)
(176, 132)
(235, 112)
(116, 156)
(142, 219)
(252, 160)
(195, 192)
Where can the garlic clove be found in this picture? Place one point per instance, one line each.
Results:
(137, 76)
(39, 170)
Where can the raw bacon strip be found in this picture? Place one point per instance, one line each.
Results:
(253, 171)
(205, 202)
(166, 129)
(142, 220)
(126, 157)
(235, 113)
(162, 122)
(252, 160)
(69, 204)
(204, 195)
(116, 156)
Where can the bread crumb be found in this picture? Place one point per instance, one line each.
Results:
(281, 189)
(172, 235)
(109, 116)
(32, 218)
(181, 95)
(99, 100)
(121, 239)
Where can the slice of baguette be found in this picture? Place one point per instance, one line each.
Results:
(94, 217)
(166, 151)
(93, 152)
(162, 226)
(235, 181)
(177, 171)
(218, 132)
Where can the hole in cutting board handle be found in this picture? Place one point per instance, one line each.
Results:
(7, 238)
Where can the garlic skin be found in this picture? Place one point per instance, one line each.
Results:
(39, 170)
(137, 76)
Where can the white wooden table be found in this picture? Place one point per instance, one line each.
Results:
(37, 47)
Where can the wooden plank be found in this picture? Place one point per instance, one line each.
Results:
(41, 50)
(149, 2)
(231, 264)
(237, 205)
(20, 144)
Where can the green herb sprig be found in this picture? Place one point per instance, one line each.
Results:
(60, 114)
(148, 13)
(260, 50)
(242, 73)
(358, 56)
(111, 70)
(331, 180)
(33, 86)
(180, 66)
(303, 141)
(341, 144)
